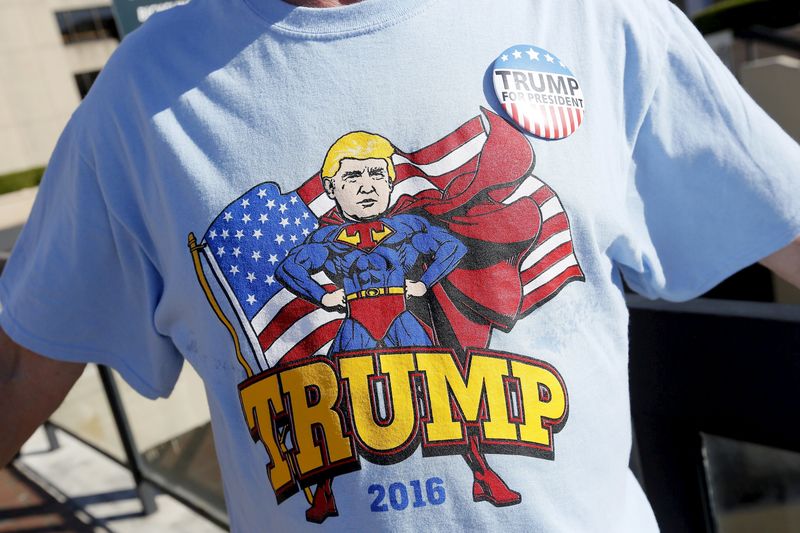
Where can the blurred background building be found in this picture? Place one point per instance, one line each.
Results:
(50, 53)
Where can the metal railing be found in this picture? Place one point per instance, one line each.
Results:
(695, 368)
(146, 480)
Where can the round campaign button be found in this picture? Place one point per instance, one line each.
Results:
(538, 92)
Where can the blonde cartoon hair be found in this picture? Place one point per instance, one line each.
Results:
(358, 145)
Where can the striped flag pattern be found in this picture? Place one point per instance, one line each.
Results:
(547, 122)
(248, 239)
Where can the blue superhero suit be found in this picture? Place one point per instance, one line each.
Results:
(371, 261)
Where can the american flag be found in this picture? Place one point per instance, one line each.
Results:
(538, 92)
(250, 237)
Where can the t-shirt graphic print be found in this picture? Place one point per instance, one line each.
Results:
(361, 305)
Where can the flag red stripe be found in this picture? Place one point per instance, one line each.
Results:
(551, 287)
(546, 262)
(405, 171)
(434, 152)
(442, 181)
(564, 131)
(543, 194)
(291, 313)
(313, 342)
(312, 188)
(556, 131)
(555, 224)
(546, 120)
(571, 113)
(514, 113)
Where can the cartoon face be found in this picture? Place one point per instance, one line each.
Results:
(362, 188)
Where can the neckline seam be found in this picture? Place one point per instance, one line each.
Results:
(384, 22)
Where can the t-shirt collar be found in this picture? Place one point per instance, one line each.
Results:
(361, 17)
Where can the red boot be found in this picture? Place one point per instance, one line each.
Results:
(487, 485)
(323, 505)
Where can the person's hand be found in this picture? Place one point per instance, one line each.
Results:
(415, 288)
(334, 299)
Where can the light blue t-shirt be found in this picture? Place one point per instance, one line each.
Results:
(387, 275)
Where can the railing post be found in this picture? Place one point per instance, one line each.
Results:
(144, 490)
(50, 433)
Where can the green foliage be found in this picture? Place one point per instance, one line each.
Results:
(742, 14)
(20, 180)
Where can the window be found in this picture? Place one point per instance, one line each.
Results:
(85, 81)
(89, 24)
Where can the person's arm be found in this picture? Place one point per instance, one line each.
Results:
(786, 262)
(446, 249)
(32, 387)
(296, 269)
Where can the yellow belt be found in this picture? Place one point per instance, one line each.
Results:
(375, 291)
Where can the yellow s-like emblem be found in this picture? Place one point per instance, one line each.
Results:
(365, 235)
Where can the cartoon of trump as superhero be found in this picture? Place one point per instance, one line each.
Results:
(436, 249)
(373, 257)
(380, 259)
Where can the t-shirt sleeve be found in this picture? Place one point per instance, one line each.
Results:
(715, 182)
(79, 287)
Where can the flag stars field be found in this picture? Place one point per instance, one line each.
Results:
(266, 225)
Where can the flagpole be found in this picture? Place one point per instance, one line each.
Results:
(195, 248)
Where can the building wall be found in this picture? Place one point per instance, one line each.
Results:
(38, 92)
